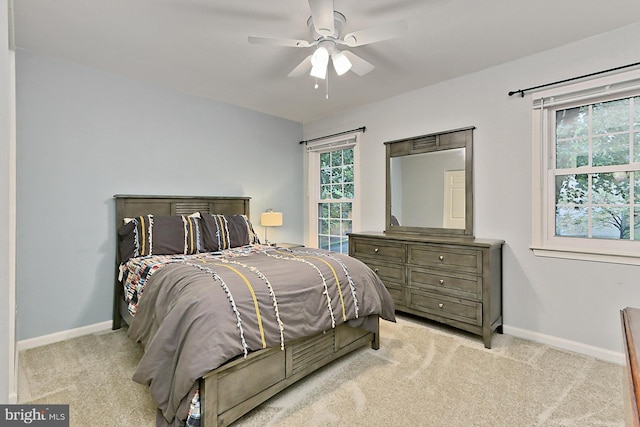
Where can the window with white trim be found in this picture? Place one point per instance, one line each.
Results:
(586, 170)
(333, 188)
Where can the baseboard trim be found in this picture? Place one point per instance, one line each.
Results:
(576, 347)
(63, 335)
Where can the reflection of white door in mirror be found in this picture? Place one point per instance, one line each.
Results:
(454, 197)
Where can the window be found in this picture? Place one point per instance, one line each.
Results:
(587, 170)
(333, 188)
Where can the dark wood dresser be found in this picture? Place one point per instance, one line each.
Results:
(630, 318)
(456, 281)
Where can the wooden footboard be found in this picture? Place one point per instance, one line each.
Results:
(229, 392)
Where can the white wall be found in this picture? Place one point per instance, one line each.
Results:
(7, 214)
(572, 304)
(85, 135)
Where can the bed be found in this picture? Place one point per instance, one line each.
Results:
(267, 345)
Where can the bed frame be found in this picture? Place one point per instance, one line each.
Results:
(237, 387)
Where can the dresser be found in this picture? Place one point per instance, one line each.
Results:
(455, 281)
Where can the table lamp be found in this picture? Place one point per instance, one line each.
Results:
(270, 219)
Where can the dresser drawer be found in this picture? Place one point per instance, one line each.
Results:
(446, 257)
(392, 275)
(386, 270)
(459, 285)
(377, 249)
(453, 308)
(397, 293)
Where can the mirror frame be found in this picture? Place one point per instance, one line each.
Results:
(457, 138)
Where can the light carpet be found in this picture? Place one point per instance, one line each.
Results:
(423, 375)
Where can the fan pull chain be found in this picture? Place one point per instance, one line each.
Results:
(316, 86)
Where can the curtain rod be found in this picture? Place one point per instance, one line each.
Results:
(362, 129)
(522, 91)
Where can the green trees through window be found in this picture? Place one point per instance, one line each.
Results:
(597, 170)
(337, 191)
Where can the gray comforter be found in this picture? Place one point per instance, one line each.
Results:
(197, 313)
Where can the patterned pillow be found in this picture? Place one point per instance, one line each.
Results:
(226, 231)
(160, 235)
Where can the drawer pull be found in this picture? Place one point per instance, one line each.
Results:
(441, 258)
(376, 250)
(441, 305)
(442, 281)
(375, 270)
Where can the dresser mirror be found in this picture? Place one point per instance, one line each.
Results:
(430, 184)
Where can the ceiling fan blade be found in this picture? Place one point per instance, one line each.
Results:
(322, 15)
(358, 65)
(376, 33)
(278, 41)
(302, 68)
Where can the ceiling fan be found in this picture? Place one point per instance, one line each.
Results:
(326, 25)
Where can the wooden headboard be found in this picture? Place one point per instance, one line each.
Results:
(129, 206)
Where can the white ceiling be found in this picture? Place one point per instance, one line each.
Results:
(200, 47)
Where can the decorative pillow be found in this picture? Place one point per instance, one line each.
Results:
(160, 235)
(226, 231)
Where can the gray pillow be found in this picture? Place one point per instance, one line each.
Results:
(160, 235)
(226, 231)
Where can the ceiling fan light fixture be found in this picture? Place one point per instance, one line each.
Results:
(319, 62)
(319, 72)
(340, 63)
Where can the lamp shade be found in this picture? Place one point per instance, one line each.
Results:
(319, 61)
(271, 219)
(340, 63)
